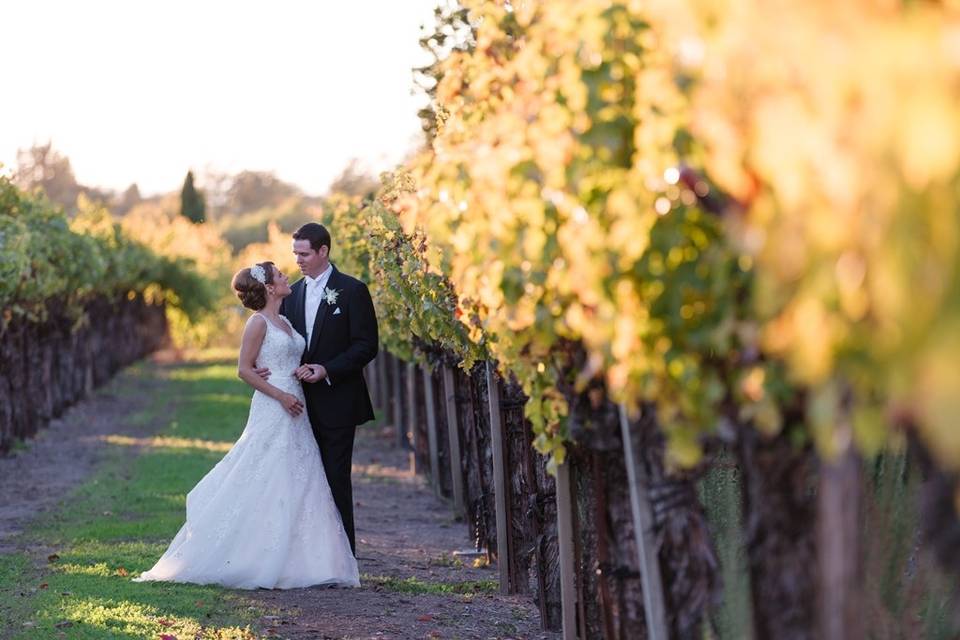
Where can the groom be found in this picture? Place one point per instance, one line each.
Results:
(334, 313)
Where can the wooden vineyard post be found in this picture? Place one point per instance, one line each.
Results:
(388, 377)
(428, 392)
(412, 414)
(652, 584)
(415, 442)
(453, 433)
(499, 479)
(383, 359)
(568, 579)
(380, 372)
(370, 378)
(398, 402)
(386, 398)
(840, 547)
(383, 372)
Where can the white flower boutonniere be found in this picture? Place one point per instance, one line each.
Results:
(331, 295)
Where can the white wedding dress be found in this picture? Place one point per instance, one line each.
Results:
(264, 515)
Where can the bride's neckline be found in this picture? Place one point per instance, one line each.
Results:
(289, 332)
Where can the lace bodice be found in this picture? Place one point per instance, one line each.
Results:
(281, 353)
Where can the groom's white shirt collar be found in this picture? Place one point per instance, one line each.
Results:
(314, 296)
(322, 277)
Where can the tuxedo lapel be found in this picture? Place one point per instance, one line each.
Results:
(332, 283)
(298, 307)
(318, 325)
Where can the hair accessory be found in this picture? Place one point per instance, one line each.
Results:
(259, 274)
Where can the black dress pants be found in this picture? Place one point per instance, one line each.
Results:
(336, 451)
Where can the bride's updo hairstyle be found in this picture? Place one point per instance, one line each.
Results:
(252, 292)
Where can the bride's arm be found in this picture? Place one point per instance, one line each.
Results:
(253, 335)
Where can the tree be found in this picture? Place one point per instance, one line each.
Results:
(252, 190)
(354, 180)
(43, 167)
(192, 205)
(125, 201)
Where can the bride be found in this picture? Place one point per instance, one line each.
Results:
(264, 515)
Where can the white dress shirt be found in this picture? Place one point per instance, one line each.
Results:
(314, 297)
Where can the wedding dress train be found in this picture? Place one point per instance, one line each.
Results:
(264, 515)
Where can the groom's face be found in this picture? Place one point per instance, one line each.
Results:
(311, 262)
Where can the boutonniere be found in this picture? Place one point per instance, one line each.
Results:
(331, 295)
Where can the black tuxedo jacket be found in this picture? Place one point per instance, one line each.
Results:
(344, 340)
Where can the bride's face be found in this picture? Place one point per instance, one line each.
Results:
(281, 286)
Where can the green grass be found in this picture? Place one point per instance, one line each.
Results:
(118, 523)
(19, 445)
(445, 560)
(415, 586)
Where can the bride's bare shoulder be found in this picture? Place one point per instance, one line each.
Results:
(256, 324)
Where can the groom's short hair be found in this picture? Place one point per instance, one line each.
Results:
(316, 233)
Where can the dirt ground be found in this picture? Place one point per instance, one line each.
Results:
(35, 478)
(403, 532)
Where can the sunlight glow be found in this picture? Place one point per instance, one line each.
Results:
(167, 442)
(142, 92)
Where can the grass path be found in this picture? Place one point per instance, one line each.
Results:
(67, 575)
(70, 576)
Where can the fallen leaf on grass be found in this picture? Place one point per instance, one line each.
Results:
(44, 585)
(122, 572)
(52, 557)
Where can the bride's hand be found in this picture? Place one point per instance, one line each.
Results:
(308, 372)
(302, 372)
(292, 404)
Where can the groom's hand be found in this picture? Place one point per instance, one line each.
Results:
(263, 372)
(310, 372)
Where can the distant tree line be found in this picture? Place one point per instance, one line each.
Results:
(209, 196)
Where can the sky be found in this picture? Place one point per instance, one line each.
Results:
(142, 91)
